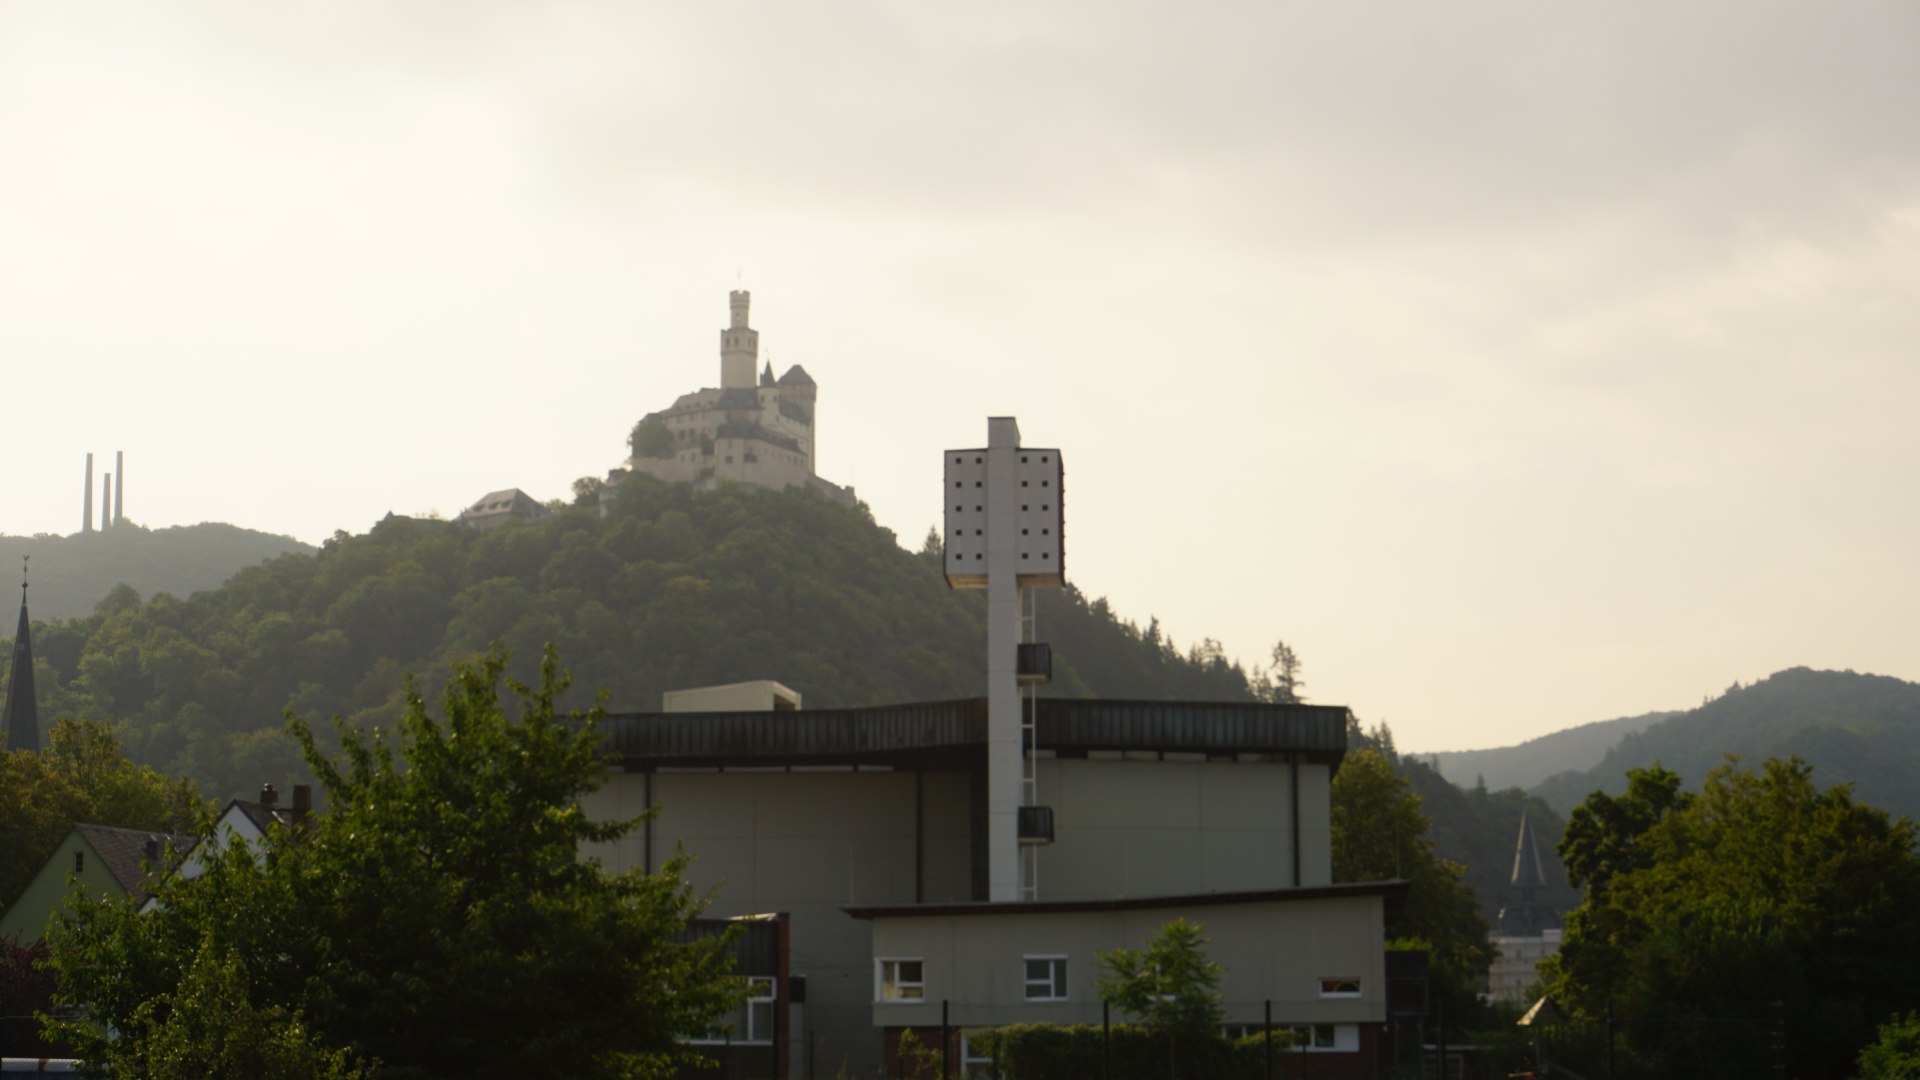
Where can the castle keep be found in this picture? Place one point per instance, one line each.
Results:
(748, 431)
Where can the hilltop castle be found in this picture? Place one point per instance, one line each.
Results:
(747, 432)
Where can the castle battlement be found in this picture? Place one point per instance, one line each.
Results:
(759, 433)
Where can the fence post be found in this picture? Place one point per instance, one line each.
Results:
(1267, 1026)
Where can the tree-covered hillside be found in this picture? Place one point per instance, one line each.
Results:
(73, 573)
(1862, 729)
(668, 588)
(1530, 762)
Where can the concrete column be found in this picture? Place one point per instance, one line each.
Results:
(1003, 639)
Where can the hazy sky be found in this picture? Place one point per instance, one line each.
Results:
(1520, 364)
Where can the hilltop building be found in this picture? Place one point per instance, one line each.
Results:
(499, 507)
(1528, 929)
(758, 432)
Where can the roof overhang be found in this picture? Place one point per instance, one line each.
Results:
(953, 734)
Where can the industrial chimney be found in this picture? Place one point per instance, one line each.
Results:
(86, 503)
(119, 493)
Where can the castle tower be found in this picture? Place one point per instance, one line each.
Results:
(739, 345)
(21, 717)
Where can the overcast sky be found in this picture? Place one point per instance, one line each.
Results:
(1520, 364)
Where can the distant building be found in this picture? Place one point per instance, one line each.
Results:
(759, 433)
(104, 860)
(499, 507)
(867, 831)
(1528, 929)
(21, 716)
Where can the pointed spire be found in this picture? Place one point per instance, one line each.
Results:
(1526, 857)
(766, 377)
(21, 719)
(1524, 914)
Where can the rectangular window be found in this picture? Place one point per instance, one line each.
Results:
(1339, 988)
(1046, 978)
(751, 1021)
(899, 979)
(1316, 1037)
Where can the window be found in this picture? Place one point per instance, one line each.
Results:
(1316, 1037)
(1340, 988)
(1046, 978)
(899, 979)
(751, 1021)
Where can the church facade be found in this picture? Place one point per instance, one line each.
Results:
(753, 429)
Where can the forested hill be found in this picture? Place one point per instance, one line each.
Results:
(73, 573)
(1530, 762)
(1863, 729)
(672, 588)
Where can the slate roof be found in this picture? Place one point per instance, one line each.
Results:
(796, 376)
(125, 851)
(1526, 857)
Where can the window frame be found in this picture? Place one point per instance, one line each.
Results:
(739, 1028)
(901, 985)
(1334, 986)
(1054, 983)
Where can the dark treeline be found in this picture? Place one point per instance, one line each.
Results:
(668, 588)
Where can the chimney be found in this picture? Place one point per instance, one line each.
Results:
(268, 796)
(106, 501)
(302, 803)
(86, 503)
(119, 493)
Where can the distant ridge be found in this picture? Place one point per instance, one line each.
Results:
(1852, 728)
(72, 574)
(1523, 766)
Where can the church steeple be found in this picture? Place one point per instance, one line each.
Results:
(21, 719)
(1524, 914)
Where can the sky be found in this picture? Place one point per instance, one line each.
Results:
(1520, 365)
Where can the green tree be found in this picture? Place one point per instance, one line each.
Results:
(213, 1024)
(1606, 834)
(650, 438)
(80, 777)
(1895, 1054)
(1761, 889)
(437, 919)
(1380, 833)
(1281, 683)
(1170, 986)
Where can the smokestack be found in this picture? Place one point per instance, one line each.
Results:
(86, 504)
(119, 493)
(106, 501)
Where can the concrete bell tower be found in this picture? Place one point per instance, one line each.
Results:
(739, 345)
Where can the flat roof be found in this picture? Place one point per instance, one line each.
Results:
(1394, 891)
(949, 734)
